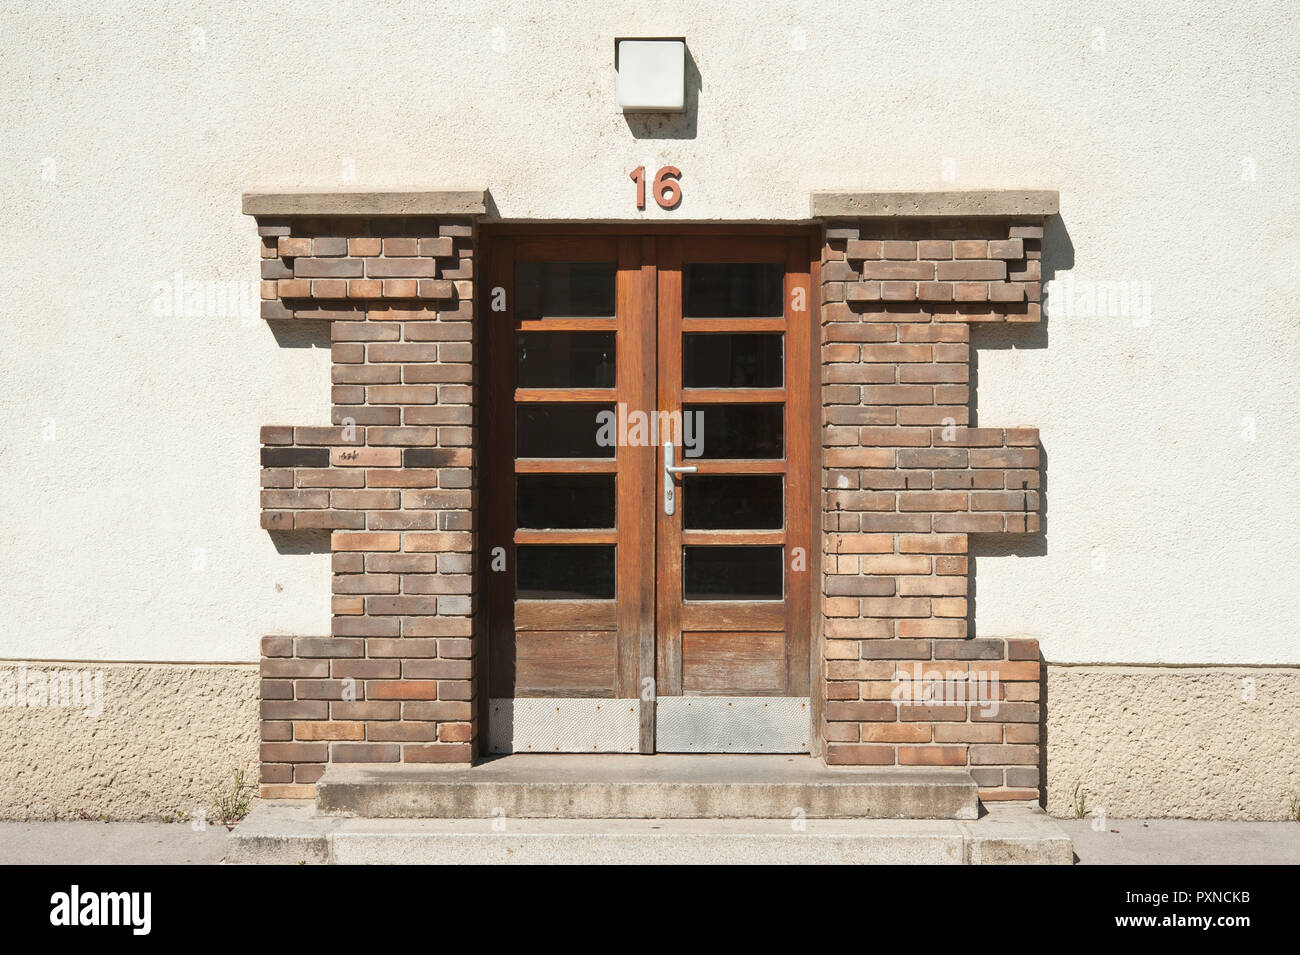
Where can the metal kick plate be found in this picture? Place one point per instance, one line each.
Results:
(732, 724)
(564, 725)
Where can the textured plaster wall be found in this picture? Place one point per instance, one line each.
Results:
(130, 432)
(1196, 742)
(165, 740)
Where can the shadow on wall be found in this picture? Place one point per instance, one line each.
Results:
(671, 125)
(292, 334)
(1058, 254)
(314, 541)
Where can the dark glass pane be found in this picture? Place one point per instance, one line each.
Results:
(733, 573)
(720, 360)
(732, 502)
(564, 572)
(732, 290)
(737, 431)
(565, 359)
(564, 500)
(560, 430)
(564, 289)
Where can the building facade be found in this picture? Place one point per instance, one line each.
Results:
(878, 270)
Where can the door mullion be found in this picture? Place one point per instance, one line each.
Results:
(636, 526)
(647, 325)
(669, 547)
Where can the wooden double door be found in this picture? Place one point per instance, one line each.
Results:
(646, 491)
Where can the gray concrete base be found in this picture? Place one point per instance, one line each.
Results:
(565, 786)
(111, 843)
(290, 833)
(1183, 842)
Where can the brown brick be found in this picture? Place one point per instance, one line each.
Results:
(932, 755)
(971, 271)
(1020, 650)
(402, 690)
(365, 752)
(840, 754)
(912, 271)
(954, 627)
(401, 247)
(436, 753)
(932, 501)
(325, 730)
(892, 732)
(856, 249)
(895, 649)
(349, 541)
(293, 752)
(1004, 755)
(442, 247)
(290, 247)
(866, 712)
(968, 733)
(277, 646)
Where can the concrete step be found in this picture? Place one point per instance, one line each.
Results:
(289, 833)
(564, 786)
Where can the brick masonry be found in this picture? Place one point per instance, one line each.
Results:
(906, 481)
(392, 479)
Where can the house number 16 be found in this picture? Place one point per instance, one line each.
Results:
(667, 190)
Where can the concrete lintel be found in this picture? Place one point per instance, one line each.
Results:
(469, 202)
(986, 203)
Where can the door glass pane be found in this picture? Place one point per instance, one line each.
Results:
(564, 572)
(738, 431)
(565, 359)
(560, 430)
(722, 360)
(732, 502)
(733, 573)
(732, 290)
(564, 501)
(564, 289)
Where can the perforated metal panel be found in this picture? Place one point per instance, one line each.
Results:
(564, 725)
(733, 724)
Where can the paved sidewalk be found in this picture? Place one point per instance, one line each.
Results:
(1159, 841)
(110, 843)
(1184, 842)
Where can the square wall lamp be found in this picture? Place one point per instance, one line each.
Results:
(651, 74)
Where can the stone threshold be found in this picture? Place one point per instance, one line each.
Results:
(290, 833)
(661, 786)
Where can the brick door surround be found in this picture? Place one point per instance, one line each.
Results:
(907, 480)
(393, 479)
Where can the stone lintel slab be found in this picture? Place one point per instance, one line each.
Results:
(978, 203)
(469, 202)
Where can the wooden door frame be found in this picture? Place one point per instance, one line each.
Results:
(493, 352)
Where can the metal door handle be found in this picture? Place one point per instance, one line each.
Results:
(670, 469)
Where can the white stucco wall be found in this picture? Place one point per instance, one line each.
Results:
(129, 451)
